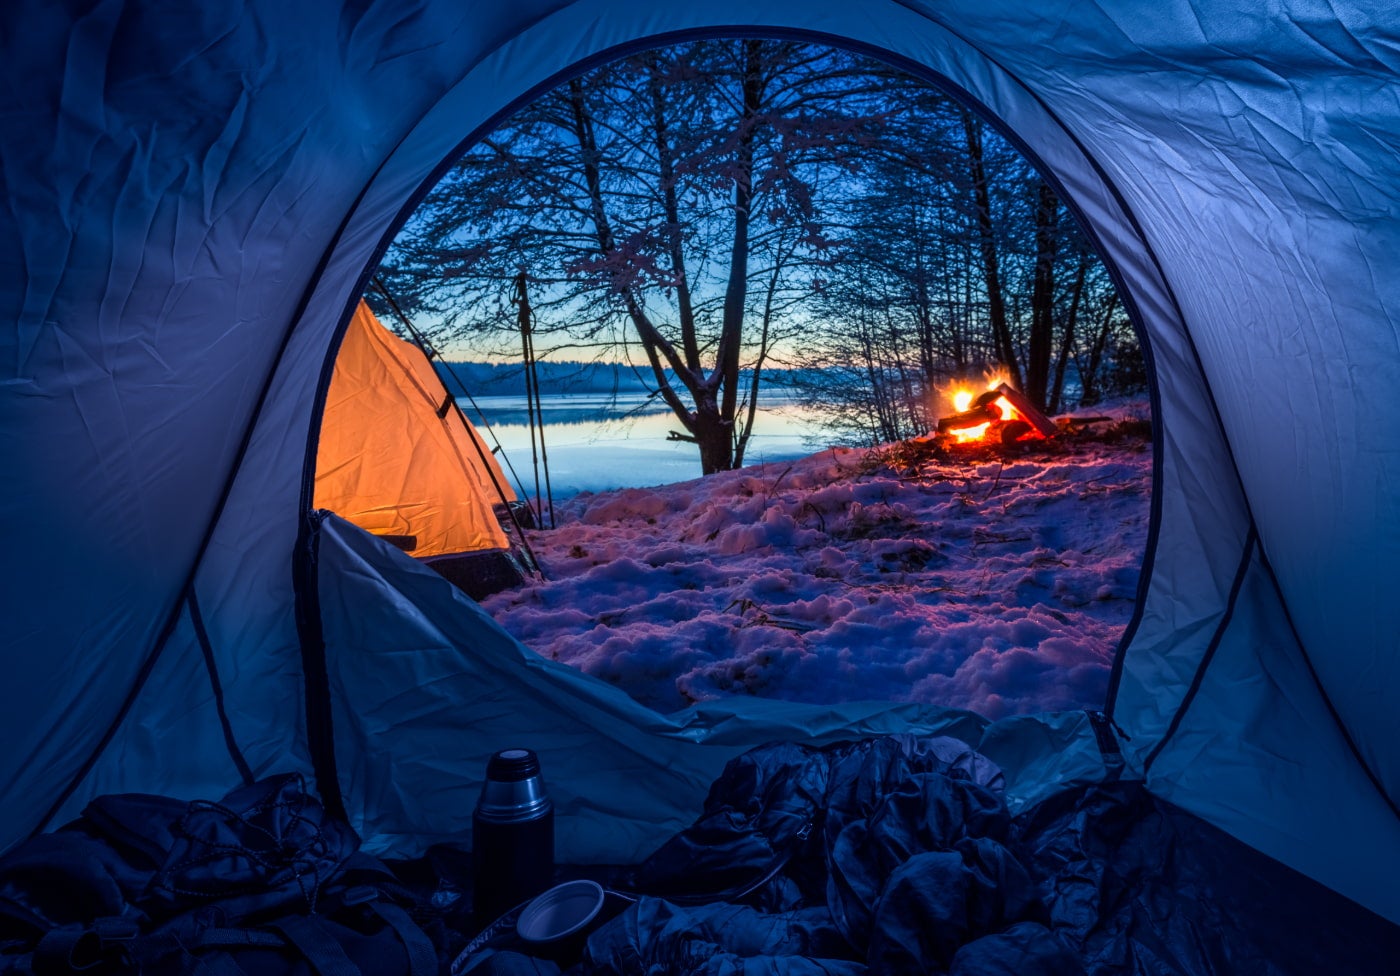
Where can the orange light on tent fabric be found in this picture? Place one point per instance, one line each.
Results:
(391, 462)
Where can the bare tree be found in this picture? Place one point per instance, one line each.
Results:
(669, 200)
(721, 207)
(970, 256)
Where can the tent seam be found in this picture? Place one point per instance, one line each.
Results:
(207, 648)
(142, 676)
(1326, 699)
(1196, 681)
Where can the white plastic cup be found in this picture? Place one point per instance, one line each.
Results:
(557, 923)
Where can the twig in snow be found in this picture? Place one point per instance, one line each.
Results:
(776, 482)
(996, 481)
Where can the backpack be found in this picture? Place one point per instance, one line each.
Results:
(260, 882)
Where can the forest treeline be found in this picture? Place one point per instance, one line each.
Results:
(573, 377)
(717, 210)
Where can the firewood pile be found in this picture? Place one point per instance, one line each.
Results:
(1008, 438)
(1001, 415)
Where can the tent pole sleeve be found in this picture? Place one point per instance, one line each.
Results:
(207, 649)
(1240, 573)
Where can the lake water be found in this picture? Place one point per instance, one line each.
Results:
(599, 441)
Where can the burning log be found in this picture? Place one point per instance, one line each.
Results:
(984, 413)
(1026, 410)
(1013, 430)
(1084, 421)
(1001, 411)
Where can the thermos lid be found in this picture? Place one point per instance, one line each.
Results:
(560, 912)
(513, 791)
(512, 766)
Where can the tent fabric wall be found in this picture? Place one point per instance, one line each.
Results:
(623, 778)
(193, 198)
(1278, 755)
(391, 461)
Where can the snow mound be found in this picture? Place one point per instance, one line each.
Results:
(998, 585)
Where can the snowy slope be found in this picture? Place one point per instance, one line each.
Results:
(997, 584)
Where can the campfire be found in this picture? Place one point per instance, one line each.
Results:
(1000, 414)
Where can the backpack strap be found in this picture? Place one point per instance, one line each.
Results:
(217, 938)
(377, 894)
(216, 964)
(321, 950)
(422, 957)
(69, 948)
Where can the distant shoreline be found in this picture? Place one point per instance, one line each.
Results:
(569, 378)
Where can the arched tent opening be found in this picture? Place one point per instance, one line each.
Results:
(981, 605)
(180, 265)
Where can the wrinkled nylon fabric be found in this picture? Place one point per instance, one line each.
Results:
(1226, 753)
(916, 866)
(186, 191)
(389, 463)
(422, 702)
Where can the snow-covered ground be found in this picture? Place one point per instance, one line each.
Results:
(997, 584)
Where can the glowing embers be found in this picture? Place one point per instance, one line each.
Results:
(998, 413)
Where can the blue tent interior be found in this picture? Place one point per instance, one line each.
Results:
(194, 196)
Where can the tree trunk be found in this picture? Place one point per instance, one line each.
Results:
(666, 170)
(653, 342)
(715, 438)
(726, 376)
(923, 301)
(1042, 295)
(1089, 376)
(742, 431)
(1076, 298)
(987, 243)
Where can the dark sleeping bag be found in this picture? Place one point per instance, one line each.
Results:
(897, 856)
(260, 883)
(905, 868)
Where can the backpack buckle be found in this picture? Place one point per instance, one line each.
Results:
(115, 929)
(359, 895)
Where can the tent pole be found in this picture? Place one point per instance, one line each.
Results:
(534, 405)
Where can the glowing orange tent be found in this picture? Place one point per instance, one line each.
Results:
(396, 456)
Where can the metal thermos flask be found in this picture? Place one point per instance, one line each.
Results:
(512, 835)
